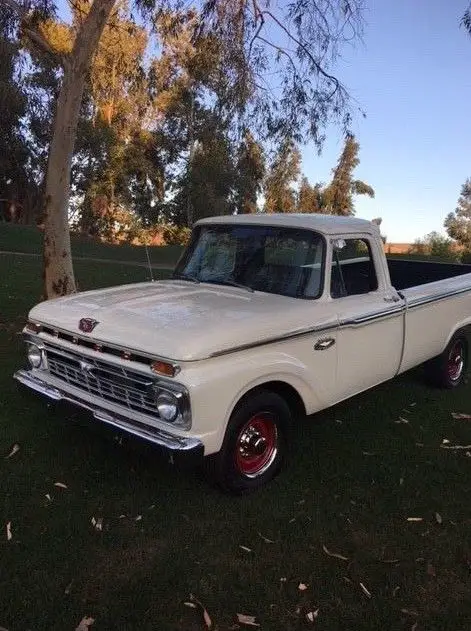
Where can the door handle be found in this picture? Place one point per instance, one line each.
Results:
(323, 345)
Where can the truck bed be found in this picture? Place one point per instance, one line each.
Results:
(405, 273)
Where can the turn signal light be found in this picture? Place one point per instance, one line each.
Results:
(164, 368)
(33, 327)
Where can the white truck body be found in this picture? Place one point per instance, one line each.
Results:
(222, 342)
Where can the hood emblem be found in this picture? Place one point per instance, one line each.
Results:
(87, 324)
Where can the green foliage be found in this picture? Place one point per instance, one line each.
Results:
(458, 223)
(338, 196)
(280, 196)
(310, 198)
(175, 235)
(466, 19)
(436, 245)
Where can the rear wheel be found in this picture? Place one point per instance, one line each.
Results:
(255, 443)
(448, 369)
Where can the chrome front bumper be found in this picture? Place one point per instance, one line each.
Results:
(169, 442)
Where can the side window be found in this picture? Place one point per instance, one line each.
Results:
(353, 270)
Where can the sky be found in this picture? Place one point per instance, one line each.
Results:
(412, 77)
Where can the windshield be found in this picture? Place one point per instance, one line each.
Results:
(285, 261)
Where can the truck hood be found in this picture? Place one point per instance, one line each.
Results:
(179, 320)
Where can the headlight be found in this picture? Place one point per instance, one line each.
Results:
(167, 406)
(35, 356)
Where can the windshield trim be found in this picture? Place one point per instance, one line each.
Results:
(182, 262)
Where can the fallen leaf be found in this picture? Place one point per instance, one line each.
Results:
(206, 617)
(138, 518)
(402, 420)
(85, 624)
(189, 604)
(292, 520)
(248, 620)
(48, 497)
(312, 615)
(415, 519)
(455, 446)
(265, 539)
(412, 405)
(445, 441)
(60, 485)
(401, 481)
(365, 591)
(302, 587)
(334, 554)
(283, 579)
(245, 548)
(14, 450)
(438, 517)
(68, 589)
(9, 535)
(463, 417)
(97, 523)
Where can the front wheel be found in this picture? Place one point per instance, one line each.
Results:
(448, 370)
(255, 443)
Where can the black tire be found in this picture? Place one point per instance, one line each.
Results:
(448, 370)
(254, 445)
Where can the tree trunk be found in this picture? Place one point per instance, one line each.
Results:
(58, 268)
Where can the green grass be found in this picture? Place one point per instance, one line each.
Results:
(353, 479)
(17, 238)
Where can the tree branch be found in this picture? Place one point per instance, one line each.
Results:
(259, 15)
(32, 34)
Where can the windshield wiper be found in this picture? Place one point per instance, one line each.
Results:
(231, 283)
(188, 277)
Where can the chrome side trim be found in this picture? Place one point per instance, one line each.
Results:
(418, 302)
(371, 317)
(279, 338)
(153, 435)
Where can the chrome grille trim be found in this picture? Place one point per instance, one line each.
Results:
(114, 383)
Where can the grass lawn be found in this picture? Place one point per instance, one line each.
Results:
(18, 238)
(355, 475)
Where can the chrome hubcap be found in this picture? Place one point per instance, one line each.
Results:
(456, 361)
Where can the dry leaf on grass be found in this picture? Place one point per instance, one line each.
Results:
(138, 518)
(60, 485)
(248, 620)
(365, 591)
(265, 539)
(438, 517)
(334, 554)
(446, 446)
(14, 450)
(415, 519)
(189, 604)
(245, 548)
(206, 617)
(97, 523)
(302, 587)
(85, 623)
(402, 421)
(462, 417)
(312, 615)
(48, 497)
(9, 535)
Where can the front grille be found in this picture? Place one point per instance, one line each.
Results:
(108, 381)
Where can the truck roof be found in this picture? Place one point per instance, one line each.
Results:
(326, 224)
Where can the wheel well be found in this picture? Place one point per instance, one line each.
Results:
(284, 390)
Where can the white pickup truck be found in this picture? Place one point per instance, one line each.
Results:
(266, 317)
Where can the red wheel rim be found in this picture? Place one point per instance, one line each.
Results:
(256, 445)
(455, 363)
